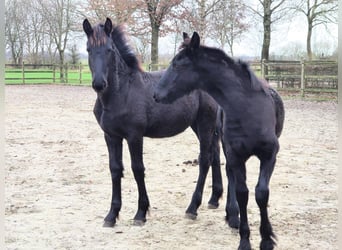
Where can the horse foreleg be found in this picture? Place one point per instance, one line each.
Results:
(114, 145)
(136, 151)
(217, 186)
(261, 196)
(196, 200)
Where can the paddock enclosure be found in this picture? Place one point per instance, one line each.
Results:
(58, 185)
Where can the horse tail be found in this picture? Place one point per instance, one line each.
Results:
(280, 111)
(219, 122)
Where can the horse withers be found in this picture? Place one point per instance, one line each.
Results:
(253, 120)
(125, 109)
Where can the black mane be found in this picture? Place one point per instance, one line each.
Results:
(218, 55)
(126, 52)
(98, 36)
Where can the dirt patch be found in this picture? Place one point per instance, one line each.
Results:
(58, 187)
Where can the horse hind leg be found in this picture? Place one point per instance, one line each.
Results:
(261, 196)
(204, 163)
(196, 200)
(217, 186)
(237, 165)
(232, 207)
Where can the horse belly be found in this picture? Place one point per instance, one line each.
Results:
(172, 119)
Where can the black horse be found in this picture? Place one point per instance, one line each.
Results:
(253, 121)
(125, 109)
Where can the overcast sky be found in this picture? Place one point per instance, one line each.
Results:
(283, 34)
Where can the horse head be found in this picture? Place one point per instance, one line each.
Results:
(101, 50)
(180, 77)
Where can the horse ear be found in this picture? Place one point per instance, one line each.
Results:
(87, 27)
(108, 26)
(195, 41)
(185, 36)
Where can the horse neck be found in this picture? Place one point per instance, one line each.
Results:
(121, 81)
(227, 88)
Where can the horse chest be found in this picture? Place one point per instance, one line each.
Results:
(114, 123)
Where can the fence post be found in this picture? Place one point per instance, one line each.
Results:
(80, 71)
(54, 73)
(263, 68)
(302, 78)
(66, 73)
(23, 71)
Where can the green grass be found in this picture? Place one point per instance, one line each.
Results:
(45, 76)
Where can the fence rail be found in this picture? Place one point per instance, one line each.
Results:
(306, 76)
(46, 73)
(303, 76)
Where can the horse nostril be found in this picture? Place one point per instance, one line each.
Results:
(98, 87)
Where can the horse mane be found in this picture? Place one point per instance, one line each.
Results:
(219, 55)
(98, 36)
(255, 82)
(126, 52)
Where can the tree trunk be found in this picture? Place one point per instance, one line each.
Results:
(154, 46)
(202, 21)
(265, 52)
(308, 41)
(267, 31)
(61, 65)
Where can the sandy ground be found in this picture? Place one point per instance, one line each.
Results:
(58, 187)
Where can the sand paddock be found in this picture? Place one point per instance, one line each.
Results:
(58, 187)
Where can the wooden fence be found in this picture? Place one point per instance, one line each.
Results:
(47, 73)
(306, 76)
(303, 76)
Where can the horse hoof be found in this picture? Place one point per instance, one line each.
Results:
(267, 244)
(109, 224)
(245, 245)
(139, 222)
(191, 216)
(233, 222)
(212, 206)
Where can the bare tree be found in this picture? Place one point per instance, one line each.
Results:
(228, 22)
(317, 12)
(158, 11)
(74, 54)
(14, 30)
(198, 13)
(58, 17)
(270, 12)
(142, 46)
(120, 11)
(34, 34)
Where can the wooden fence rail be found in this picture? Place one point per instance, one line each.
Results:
(306, 76)
(303, 76)
(47, 73)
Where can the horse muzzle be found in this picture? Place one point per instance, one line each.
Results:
(100, 86)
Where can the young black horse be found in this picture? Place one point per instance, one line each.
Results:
(125, 109)
(254, 116)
